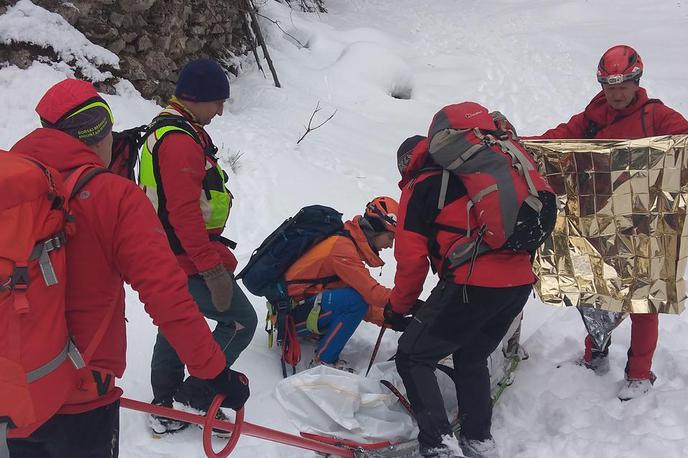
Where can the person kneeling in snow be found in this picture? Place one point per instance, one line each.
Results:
(481, 288)
(334, 309)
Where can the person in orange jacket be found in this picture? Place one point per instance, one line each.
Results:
(118, 239)
(336, 287)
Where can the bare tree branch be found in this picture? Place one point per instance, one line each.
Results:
(252, 40)
(259, 35)
(310, 121)
(280, 27)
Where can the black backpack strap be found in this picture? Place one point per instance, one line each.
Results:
(452, 229)
(591, 129)
(85, 178)
(175, 121)
(184, 124)
(320, 280)
(131, 140)
(231, 244)
(313, 281)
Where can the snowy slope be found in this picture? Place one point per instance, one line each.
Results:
(533, 60)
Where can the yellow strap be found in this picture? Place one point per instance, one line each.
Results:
(270, 324)
(314, 315)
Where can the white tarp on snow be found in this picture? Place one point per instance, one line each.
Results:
(332, 402)
(328, 401)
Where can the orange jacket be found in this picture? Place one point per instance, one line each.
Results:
(342, 257)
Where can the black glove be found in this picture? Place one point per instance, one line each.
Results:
(234, 385)
(419, 303)
(395, 320)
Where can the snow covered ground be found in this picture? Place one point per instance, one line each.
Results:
(534, 60)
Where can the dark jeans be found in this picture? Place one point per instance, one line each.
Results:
(92, 434)
(234, 331)
(470, 331)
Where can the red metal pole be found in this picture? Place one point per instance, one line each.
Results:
(376, 348)
(249, 429)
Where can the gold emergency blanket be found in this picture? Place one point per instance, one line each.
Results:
(620, 242)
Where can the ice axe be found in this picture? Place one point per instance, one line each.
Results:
(376, 348)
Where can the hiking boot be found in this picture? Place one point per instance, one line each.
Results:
(632, 389)
(340, 364)
(195, 396)
(161, 426)
(474, 448)
(220, 415)
(599, 364)
(436, 452)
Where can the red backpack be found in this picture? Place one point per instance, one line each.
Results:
(39, 363)
(513, 204)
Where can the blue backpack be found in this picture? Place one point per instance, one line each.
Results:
(285, 245)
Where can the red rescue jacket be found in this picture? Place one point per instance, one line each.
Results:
(119, 239)
(424, 235)
(182, 166)
(644, 117)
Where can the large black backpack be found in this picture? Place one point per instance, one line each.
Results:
(285, 245)
(264, 273)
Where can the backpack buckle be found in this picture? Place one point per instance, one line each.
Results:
(19, 281)
(41, 252)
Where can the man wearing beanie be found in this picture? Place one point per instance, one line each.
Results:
(332, 310)
(182, 177)
(117, 237)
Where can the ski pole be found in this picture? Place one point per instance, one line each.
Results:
(375, 349)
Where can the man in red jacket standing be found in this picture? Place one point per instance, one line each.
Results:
(182, 177)
(474, 303)
(622, 110)
(118, 239)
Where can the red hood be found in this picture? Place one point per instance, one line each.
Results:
(599, 111)
(419, 159)
(57, 150)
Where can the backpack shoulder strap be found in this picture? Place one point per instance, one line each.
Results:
(80, 177)
(169, 120)
(444, 184)
(73, 185)
(321, 280)
(591, 129)
(649, 109)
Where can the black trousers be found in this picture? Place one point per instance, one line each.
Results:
(468, 330)
(92, 434)
(233, 332)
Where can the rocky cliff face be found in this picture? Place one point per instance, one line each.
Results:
(152, 38)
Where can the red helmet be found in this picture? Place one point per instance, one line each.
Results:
(384, 209)
(620, 63)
